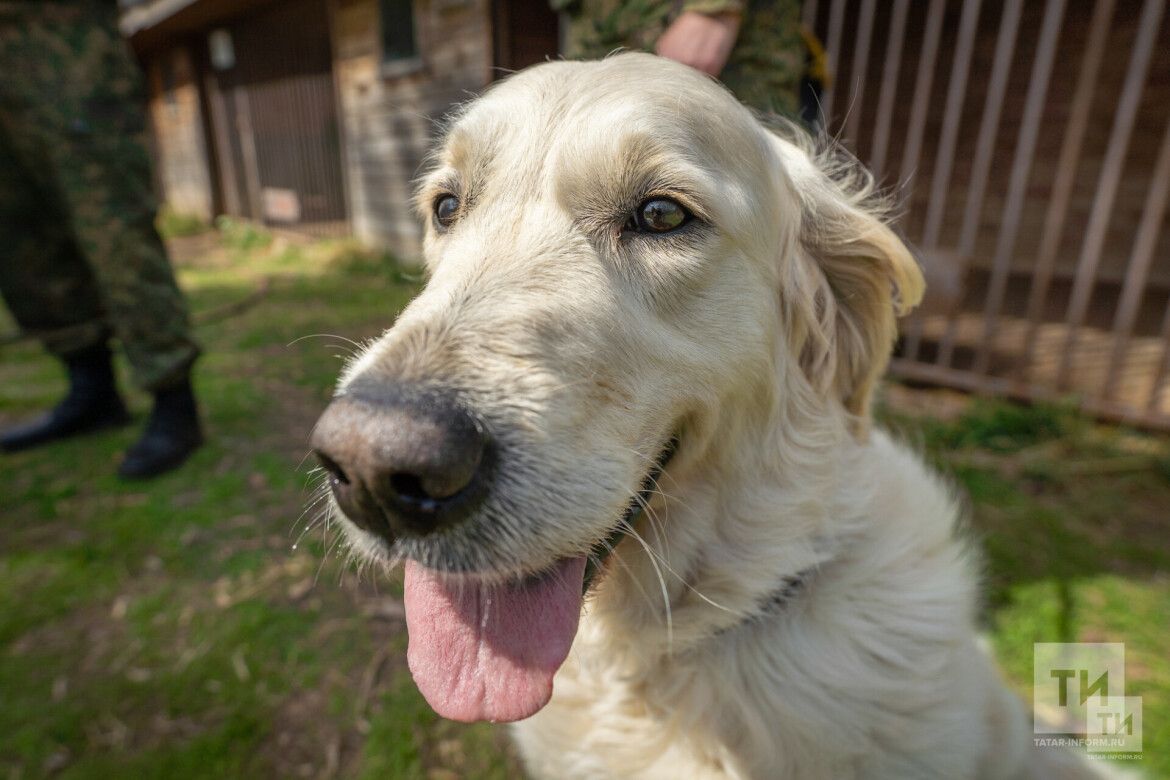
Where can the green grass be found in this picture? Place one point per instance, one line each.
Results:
(171, 628)
(1074, 521)
(175, 224)
(242, 235)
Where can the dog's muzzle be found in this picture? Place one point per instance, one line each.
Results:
(403, 462)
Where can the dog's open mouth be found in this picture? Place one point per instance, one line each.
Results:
(489, 652)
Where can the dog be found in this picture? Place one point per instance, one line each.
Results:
(622, 443)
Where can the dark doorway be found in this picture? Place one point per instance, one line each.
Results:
(524, 32)
(274, 119)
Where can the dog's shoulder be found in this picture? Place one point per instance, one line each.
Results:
(909, 541)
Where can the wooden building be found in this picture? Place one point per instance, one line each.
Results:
(317, 114)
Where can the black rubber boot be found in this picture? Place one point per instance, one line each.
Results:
(172, 434)
(92, 404)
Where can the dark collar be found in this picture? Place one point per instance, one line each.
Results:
(788, 589)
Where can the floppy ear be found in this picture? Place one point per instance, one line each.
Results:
(852, 276)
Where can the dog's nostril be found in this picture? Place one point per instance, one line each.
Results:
(335, 471)
(402, 462)
(410, 487)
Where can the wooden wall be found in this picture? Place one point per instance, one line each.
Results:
(389, 116)
(180, 148)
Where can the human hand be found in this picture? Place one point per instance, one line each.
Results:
(702, 41)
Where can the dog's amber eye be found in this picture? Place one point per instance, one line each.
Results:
(446, 208)
(658, 215)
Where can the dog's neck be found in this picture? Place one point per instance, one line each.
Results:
(736, 534)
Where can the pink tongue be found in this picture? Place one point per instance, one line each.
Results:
(490, 653)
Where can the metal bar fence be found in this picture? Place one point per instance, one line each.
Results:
(1036, 171)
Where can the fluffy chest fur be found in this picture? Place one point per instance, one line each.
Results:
(855, 676)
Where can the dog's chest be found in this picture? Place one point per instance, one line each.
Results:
(682, 718)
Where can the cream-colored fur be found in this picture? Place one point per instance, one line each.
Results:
(756, 337)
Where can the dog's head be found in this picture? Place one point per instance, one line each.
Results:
(620, 257)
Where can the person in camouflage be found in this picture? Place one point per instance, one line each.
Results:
(80, 259)
(753, 46)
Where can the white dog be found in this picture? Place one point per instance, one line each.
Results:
(652, 327)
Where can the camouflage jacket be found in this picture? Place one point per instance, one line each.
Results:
(766, 64)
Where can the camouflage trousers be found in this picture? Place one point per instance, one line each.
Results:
(80, 259)
(766, 65)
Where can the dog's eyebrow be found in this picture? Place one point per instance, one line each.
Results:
(460, 148)
(681, 187)
(615, 177)
(680, 182)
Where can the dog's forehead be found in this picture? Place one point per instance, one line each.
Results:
(567, 107)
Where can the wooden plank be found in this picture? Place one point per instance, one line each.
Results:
(248, 147)
(1153, 418)
(984, 149)
(1062, 186)
(950, 377)
(1163, 371)
(1111, 169)
(860, 71)
(1139, 267)
(222, 143)
(836, 26)
(895, 43)
(1013, 206)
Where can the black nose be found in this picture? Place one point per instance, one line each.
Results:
(402, 462)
